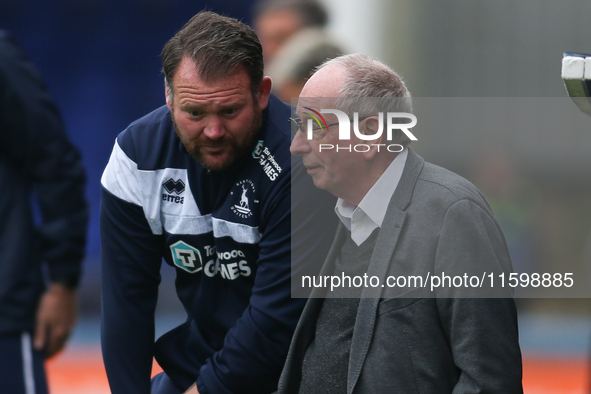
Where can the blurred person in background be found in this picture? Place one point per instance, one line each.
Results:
(36, 159)
(295, 41)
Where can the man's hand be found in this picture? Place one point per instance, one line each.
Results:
(192, 389)
(56, 316)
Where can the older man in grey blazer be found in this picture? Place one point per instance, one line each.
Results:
(401, 218)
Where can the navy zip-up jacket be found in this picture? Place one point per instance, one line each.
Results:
(228, 235)
(35, 157)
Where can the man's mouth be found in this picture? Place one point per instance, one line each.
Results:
(312, 168)
(213, 149)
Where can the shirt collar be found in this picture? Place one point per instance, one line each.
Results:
(375, 203)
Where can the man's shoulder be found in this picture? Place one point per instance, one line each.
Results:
(277, 130)
(150, 140)
(277, 118)
(443, 178)
(437, 183)
(10, 49)
(271, 151)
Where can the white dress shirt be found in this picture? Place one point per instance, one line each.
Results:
(363, 219)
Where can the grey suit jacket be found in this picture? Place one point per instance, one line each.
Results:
(406, 340)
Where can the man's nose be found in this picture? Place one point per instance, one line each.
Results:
(299, 145)
(214, 129)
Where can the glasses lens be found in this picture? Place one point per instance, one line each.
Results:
(295, 125)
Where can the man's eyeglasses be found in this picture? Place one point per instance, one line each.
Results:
(296, 124)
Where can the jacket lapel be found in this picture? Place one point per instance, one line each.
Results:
(378, 266)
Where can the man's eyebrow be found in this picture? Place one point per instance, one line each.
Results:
(304, 114)
(191, 106)
(204, 106)
(233, 102)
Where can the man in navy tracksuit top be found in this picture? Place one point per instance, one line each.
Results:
(36, 158)
(205, 183)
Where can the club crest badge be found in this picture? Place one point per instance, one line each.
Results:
(245, 189)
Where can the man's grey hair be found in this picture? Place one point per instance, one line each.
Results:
(371, 87)
(311, 12)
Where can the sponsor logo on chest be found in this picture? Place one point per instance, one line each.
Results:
(229, 265)
(270, 166)
(174, 188)
(186, 257)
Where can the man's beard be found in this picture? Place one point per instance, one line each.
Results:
(238, 150)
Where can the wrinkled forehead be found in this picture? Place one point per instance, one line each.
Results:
(304, 105)
(322, 89)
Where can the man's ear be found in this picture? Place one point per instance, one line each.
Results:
(369, 126)
(264, 92)
(167, 94)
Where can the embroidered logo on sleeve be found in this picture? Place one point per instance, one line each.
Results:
(186, 257)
